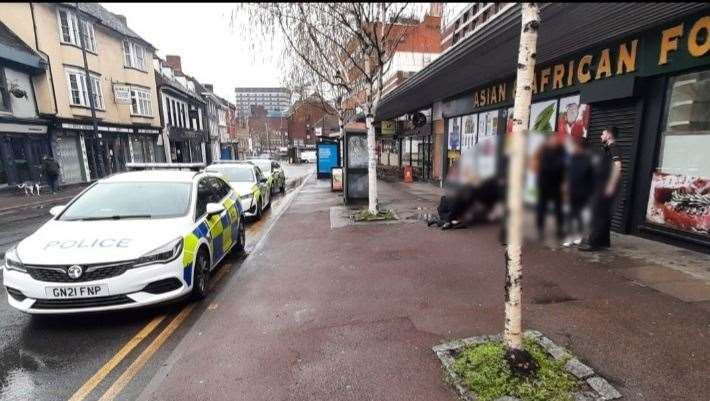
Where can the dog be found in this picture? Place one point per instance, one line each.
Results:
(31, 188)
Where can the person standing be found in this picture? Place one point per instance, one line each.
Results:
(50, 168)
(607, 183)
(580, 182)
(550, 176)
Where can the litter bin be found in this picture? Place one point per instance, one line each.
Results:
(408, 174)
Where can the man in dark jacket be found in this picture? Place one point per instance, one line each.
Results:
(580, 184)
(50, 168)
(550, 176)
(606, 186)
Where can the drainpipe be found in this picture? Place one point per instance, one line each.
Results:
(88, 75)
(51, 78)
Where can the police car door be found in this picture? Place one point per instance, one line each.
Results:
(219, 225)
(263, 187)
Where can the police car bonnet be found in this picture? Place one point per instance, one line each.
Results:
(68, 242)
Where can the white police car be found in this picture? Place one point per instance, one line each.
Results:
(248, 181)
(130, 240)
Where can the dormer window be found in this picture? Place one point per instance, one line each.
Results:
(69, 30)
(133, 55)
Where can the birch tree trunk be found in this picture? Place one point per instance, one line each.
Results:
(371, 163)
(521, 116)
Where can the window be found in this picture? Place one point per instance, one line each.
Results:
(79, 92)
(4, 93)
(133, 55)
(140, 102)
(678, 196)
(204, 195)
(69, 30)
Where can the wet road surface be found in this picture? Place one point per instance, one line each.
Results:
(108, 356)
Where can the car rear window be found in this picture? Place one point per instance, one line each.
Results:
(116, 200)
(234, 173)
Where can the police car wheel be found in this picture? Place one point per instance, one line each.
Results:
(241, 239)
(202, 276)
(258, 209)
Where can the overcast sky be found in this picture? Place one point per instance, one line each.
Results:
(211, 50)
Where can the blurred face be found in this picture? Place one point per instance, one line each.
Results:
(607, 137)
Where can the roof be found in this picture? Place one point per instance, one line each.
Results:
(152, 176)
(490, 53)
(13, 49)
(109, 19)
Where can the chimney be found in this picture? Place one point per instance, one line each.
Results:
(209, 87)
(122, 18)
(174, 62)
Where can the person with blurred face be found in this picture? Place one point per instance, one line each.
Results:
(550, 176)
(580, 181)
(606, 186)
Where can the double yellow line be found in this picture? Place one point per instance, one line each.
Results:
(135, 368)
(138, 364)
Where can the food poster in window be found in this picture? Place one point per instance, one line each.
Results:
(543, 116)
(486, 157)
(573, 119)
(680, 201)
(468, 137)
(454, 133)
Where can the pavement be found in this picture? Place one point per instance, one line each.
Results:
(350, 312)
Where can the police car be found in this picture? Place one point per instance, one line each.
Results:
(129, 240)
(273, 172)
(248, 181)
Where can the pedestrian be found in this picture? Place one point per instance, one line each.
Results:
(580, 181)
(50, 168)
(606, 186)
(550, 176)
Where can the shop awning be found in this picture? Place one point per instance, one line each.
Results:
(490, 54)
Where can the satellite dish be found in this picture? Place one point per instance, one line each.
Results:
(419, 119)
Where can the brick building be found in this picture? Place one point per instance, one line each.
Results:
(302, 120)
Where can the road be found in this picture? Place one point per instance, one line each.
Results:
(108, 356)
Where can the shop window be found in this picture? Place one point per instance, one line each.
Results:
(679, 197)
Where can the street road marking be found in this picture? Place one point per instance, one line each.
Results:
(147, 353)
(89, 386)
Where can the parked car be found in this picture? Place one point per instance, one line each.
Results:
(308, 156)
(250, 184)
(273, 172)
(130, 240)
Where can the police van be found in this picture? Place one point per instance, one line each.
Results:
(130, 240)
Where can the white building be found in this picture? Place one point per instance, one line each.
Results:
(276, 101)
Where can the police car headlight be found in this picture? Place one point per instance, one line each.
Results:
(13, 262)
(246, 196)
(164, 254)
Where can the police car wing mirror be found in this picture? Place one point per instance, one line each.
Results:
(264, 180)
(214, 208)
(56, 210)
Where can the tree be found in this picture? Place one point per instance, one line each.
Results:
(519, 360)
(347, 47)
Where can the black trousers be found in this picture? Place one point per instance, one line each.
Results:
(575, 221)
(550, 193)
(599, 235)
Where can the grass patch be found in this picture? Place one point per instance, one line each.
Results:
(485, 371)
(365, 215)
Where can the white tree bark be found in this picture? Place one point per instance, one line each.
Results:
(521, 116)
(371, 161)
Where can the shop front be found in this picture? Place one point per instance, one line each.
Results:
(654, 87)
(186, 146)
(22, 147)
(402, 143)
(143, 146)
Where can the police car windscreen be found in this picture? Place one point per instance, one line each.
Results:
(126, 200)
(234, 173)
(264, 165)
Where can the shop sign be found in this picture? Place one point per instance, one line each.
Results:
(388, 127)
(122, 94)
(23, 129)
(671, 48)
